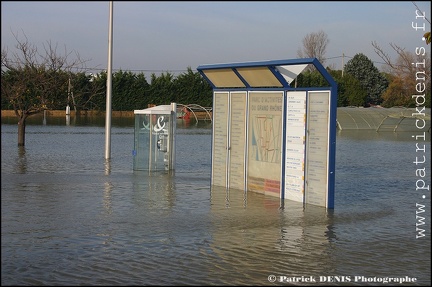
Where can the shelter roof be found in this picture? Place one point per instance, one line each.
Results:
(264, 74)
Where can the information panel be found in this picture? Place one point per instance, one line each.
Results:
(265, 142)
(237, 139)
(295, 145)
(220, 138)
(317, 147)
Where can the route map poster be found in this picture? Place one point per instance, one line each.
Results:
(265, 142)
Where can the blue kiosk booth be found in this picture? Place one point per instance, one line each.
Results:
(270, 137)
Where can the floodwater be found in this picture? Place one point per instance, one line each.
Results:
(71, 218)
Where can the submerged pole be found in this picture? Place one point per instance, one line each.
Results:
(109, 86)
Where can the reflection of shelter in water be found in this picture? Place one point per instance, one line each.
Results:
(156, 191)
(285, 237)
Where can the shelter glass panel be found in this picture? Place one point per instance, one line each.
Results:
(220, 138)
(259, 77)
(295, 145)
(237, 138)
(318, 148)
(224, 78)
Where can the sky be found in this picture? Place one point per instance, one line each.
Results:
(156, 37)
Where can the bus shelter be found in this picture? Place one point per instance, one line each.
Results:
(270, 137)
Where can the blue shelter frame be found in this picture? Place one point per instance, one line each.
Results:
(270, 137)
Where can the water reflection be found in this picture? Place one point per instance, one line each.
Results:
(154, 189)
(273, 236)
(368, 135)
(70, 217)
(94, 120)
(107, 198)
(107, 166)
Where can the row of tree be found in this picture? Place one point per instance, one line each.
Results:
(36, 88)
(32, 82)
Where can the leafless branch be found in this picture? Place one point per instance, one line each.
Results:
(420, 11)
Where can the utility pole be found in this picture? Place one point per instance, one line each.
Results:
(109, 86)
(343, 63)
(68, 100)
(70, 95)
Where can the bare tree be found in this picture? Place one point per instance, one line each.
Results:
(404, 70)
(31, 81)
(314, 46)
(404, 65)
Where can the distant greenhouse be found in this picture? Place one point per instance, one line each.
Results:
(382, 119)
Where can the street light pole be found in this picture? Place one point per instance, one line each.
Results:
(109, 86)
